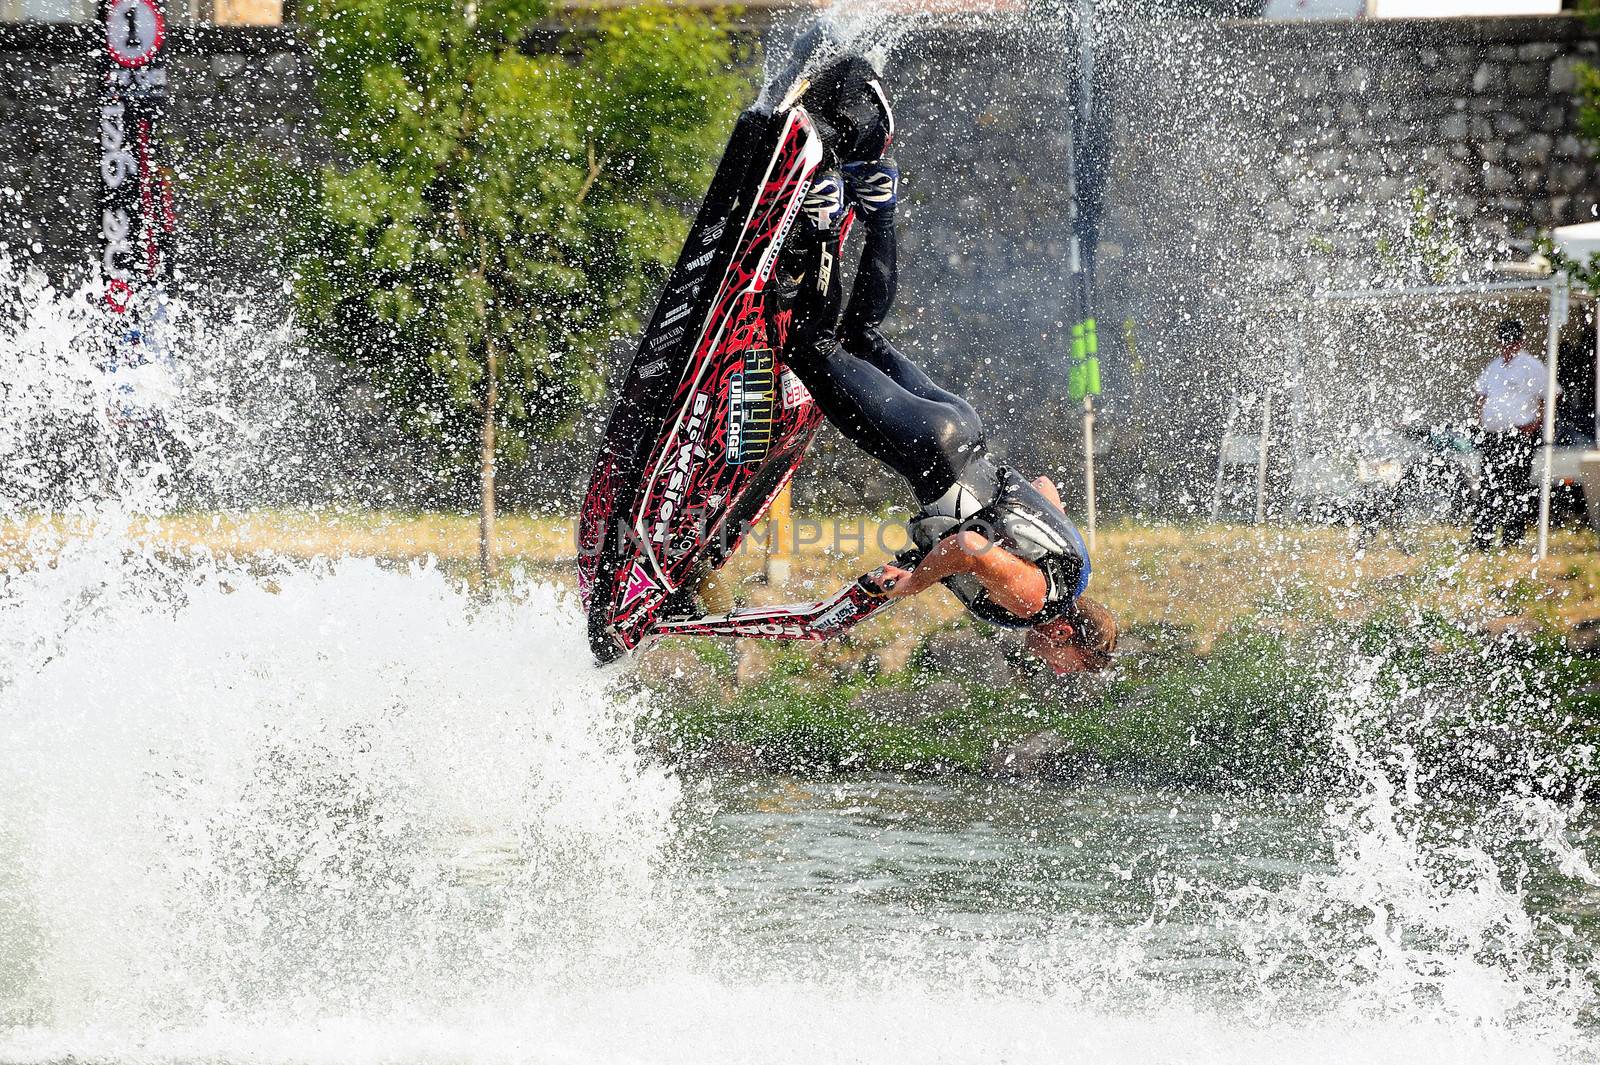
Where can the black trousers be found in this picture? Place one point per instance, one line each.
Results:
(884, 404)
(1505, 488)
(877, 398)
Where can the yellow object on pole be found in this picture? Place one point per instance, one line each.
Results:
(780, 536)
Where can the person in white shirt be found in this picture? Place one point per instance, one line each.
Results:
(1510, 410)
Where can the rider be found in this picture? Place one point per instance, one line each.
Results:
(1000, 543)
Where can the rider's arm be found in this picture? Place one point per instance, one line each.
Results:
(1014, 584)
(877, 278)
(815, 319)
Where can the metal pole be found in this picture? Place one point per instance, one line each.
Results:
(1299, 403)
(1552, 341)
(1081, 252)
(1261, 459)
(1088, 464)
(1222, 458)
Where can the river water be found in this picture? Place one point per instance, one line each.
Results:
(345, 812)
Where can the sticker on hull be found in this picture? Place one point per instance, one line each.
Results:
(750, 396)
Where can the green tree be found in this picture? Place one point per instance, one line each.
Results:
(1589, 80)
(499, 215)
(1588, 92)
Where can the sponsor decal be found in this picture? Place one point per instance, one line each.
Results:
(840, 614)
(638, 583)
(717, 230)
(825, 272)
(682, 464)
(795, 394)
(750, 394)
(666, 338)
(653, 370)
(677, 312)
(702, 262)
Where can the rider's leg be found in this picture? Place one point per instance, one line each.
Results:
(928, 439)
(877, 281)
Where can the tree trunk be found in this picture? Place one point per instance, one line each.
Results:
(487, 563)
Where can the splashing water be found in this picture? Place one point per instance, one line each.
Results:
(337, 811)
(868, 28)
(228, 793)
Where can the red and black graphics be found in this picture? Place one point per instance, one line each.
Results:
(703, 435)
(645, 391)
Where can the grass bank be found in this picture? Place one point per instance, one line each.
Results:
(1273, 703)
(1200, 579)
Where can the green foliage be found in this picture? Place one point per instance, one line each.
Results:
(1425, 246)
(1581, 271)
(1588, 93)
(1589, 110)
(1268, 708)
(1589, 80)
(492, 206)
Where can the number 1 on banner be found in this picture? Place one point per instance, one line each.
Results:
(142, 28)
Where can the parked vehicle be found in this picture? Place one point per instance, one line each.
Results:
(1391, 477)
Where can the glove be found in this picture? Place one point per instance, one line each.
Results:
(824, 201)
(910, 558)
(875, 188)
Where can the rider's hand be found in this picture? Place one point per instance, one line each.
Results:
(894, 582)
(874, 187)
(824, 200)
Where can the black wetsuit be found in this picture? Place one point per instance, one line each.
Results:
(879, 399)
(886, 405)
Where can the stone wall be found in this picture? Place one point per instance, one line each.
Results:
(1254, 163)
(231, 86)
(1251, 164)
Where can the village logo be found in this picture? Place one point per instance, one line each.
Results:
(750, 396)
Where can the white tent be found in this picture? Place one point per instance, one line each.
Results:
(1580, 241)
